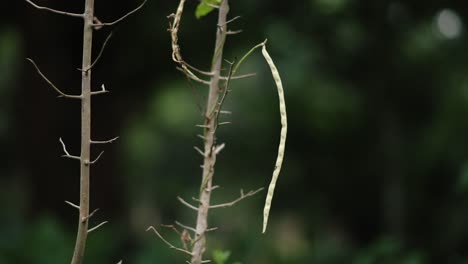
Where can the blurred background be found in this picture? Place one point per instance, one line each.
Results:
(376, 163)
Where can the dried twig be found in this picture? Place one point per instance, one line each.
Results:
(103, 90)
(186, 227)
(51, 84)
(72, 205)
(187, 203)
(95, 160)
(100, 24)
(67, 155)
(241, 197)
(104, 141)
(100, 53)
(98, 226)
(167, 242)
(54, 10)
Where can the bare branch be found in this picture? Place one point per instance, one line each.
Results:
(104, 141)
(95, 160)
(196, 96)
(193, 76)
(207, 73)
(122, 18)
(213, 188)
(103, 90)
(229, 21)
(211, 5)
(224, 123)
(238, 76)
(242, 196)
(186, 227)
(72, 205)
(90, 215)
(211, 229)
(96, 227)
(199, 151)
(51, 84)
(167, 242)
(54, 11)
(67, 155)
(219, 148)
(233, 32)
(100, 52)
(187, 204)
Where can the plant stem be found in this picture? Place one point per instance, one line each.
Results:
(82, 234)
(210, 137)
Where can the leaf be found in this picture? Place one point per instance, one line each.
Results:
(220, 257)
(204, 7)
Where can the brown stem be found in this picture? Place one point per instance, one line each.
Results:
(210, 127)
(80, 244)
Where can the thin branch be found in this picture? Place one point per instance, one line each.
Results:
(229, 21)
(223, 98)
(51, 84)
(187, 204)
(173, 228)
(211, 5)
(103, 90)
(199, 151)
(238, 76)
(100, 52)
(104, 141)
(242, 196)
(167, 242)
(186, 227)
(219, 148)
(122, 18)
(67, 155)
(90, 215)
(211, 229)
(193, 76)
(95, 160)
(72, 205)
(54, 10)
(234, 32)
(96, 227)
(196, 95)
(198, 70)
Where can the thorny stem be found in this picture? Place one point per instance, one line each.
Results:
(83, 219)
(210, 123)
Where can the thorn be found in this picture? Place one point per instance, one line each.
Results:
(199, 151)
(73, 205)
(219, 148)
(96, 227)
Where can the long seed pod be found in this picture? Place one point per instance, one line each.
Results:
(282, 144)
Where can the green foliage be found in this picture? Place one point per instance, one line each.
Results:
(221, 257)
(388, 251)
(46, 243)
(204, 7)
